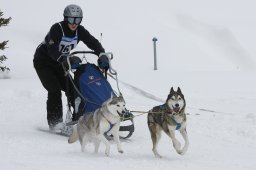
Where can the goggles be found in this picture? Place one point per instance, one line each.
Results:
(74, 20)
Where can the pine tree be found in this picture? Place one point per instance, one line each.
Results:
(3, 22)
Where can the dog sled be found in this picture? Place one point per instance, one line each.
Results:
(90, 89)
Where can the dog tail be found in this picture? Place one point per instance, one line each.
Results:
(74, 136)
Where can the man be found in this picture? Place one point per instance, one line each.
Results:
(53, 51)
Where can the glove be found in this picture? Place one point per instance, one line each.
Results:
(74, 62)
(103, 62)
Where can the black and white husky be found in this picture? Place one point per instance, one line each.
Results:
(92, 126)
(169, 117)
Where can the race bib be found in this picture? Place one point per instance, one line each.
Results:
(67, 44)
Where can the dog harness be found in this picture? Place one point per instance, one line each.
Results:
(178, 125)
(111, 125)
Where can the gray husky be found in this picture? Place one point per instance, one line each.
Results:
(92, 126)
(169, 117)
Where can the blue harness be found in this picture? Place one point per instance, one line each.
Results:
(111, 126)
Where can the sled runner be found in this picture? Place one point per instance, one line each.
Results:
(90, 90)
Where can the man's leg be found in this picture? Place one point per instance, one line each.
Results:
(50, 81)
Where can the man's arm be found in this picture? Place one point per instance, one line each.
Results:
(90, 41)
(52, 41)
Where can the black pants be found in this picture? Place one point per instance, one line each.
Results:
(54, 81)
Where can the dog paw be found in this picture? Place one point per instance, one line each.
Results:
(82, 149)
(107, 154)
(182, 151)
(179, 152)
(158, 156)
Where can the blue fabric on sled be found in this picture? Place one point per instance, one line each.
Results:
(94, 87)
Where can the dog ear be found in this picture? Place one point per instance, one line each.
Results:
(179, 91)
(171, 91)
(121, 96)
(111, 98)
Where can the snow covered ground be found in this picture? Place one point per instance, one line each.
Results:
(205, 47)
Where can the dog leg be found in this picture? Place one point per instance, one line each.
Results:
(102, 138)
(83, 142)
(185, 137)
(176, 143)
(97, 145)
(74, 136)
(158, 136)
(155, 136)
(115, 132)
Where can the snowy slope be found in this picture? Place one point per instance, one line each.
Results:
(206, 48)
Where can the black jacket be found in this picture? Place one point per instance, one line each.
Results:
(48, 51)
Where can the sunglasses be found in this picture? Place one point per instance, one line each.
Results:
(74, 20)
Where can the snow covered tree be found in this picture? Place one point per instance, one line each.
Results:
(3, 22)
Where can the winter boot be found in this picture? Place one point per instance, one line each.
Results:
(54, 117)
(56, 125)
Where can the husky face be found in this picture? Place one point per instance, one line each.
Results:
(117, 105)
(176, 101)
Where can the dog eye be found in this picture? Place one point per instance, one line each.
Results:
(179, 98)
(118, 105)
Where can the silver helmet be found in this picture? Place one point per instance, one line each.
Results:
(73, 11)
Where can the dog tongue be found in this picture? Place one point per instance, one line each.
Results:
(176, 109)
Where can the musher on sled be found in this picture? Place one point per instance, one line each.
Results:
(51, 55)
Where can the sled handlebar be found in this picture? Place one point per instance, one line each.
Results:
(82, 52)
(108, 54)
(92, 52)
(77, 52)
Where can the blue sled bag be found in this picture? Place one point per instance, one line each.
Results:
(93, 86)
